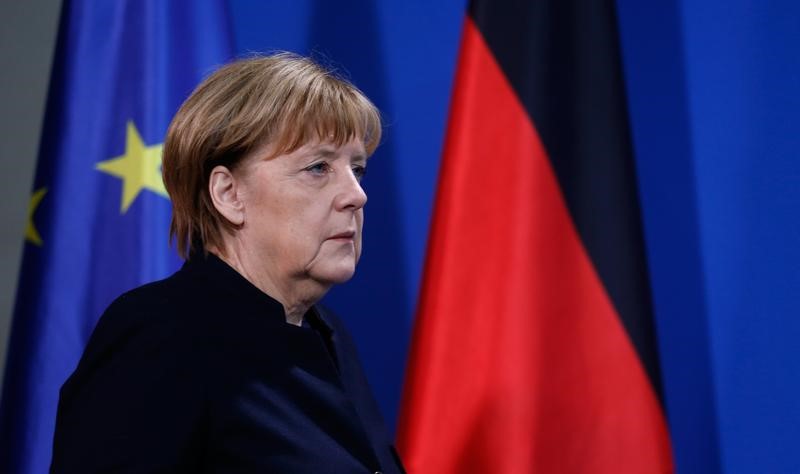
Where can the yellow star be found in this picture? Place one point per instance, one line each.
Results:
(139, 168)
(31, 234)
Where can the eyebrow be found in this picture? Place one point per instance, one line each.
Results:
(327, 151)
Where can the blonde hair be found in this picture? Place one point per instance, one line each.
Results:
(283, 100)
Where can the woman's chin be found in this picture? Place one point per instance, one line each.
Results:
(334, 274)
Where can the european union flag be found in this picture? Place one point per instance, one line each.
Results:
(99, 214)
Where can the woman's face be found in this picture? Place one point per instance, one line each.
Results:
(303, 211)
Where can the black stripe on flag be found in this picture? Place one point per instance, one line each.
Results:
(562, 58)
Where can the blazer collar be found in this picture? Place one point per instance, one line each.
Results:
(214, 268)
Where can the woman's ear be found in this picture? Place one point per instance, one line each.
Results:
(225, 194)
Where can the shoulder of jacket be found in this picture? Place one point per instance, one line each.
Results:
(165, 309)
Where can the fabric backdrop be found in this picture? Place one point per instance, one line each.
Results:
(714, 102)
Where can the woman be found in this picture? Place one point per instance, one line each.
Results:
(229, 365)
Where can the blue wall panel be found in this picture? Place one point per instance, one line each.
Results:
(744, 84)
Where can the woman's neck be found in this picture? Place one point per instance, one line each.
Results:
(296, 295)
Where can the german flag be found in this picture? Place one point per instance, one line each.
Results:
(534, 348)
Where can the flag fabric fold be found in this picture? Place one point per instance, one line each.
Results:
(534, 348)
(99, 214)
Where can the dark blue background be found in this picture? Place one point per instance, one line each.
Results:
(714, 95)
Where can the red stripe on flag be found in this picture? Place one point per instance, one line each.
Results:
(519, 361)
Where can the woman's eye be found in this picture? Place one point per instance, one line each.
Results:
(359, 171)
(320, 168)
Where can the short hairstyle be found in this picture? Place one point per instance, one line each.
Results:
(283, 100)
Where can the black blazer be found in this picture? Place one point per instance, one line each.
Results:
(200, 373)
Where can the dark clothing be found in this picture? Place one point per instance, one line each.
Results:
(201, 373)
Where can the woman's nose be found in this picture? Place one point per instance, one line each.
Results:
(350, 194)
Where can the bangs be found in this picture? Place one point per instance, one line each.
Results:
(330, 111)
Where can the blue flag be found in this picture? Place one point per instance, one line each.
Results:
(99, 214)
